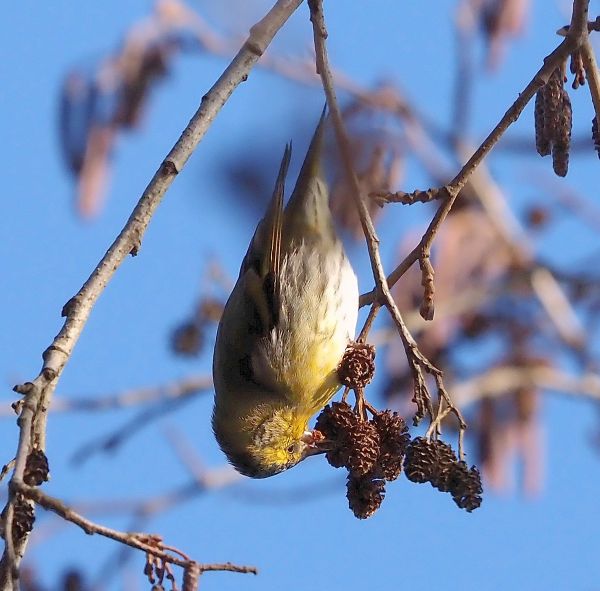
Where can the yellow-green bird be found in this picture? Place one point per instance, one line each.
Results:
(284, 329)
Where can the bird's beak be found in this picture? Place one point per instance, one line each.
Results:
(316, 443)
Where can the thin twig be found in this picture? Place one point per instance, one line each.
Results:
(591, 73)
(171, 391)
(416, 359)
(133, 539)
(149, 544)
(502, 380)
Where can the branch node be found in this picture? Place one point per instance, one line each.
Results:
(54, 348)
(49, 374)
(252, 46)
(168, 168)
(69, 308)
(191, 576)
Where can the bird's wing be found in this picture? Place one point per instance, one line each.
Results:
(262, 263)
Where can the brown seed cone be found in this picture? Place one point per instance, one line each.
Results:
(596, 135)
(357, 367)
(445, 461)
(465, 486)
(73, 581)
(36, 468)
(394, 439)
(562, 136)
(552, 103)
(187, 339)
(365, 495)
(336, 423)
(537, 216)
(420, 460)
(363, 448)
(23, 518)
(542, 141)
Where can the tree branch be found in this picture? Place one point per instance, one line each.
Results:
(503, 380)
(417, 361)
(171, 391)
(149, 544)
(592, 75)
(38, 393)
(576, 36)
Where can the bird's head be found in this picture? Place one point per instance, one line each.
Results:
(268, 443)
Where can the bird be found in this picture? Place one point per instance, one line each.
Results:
(284, 328)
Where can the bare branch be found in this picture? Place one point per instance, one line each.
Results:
(171, 391)
(574, 39)
(417, 361)
(503, 380)
(139, 541)
(38, 393)
(592, 75)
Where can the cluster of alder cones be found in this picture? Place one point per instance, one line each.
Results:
(554, 117)
(376, 451)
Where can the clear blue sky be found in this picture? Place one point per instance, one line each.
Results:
(419, 539)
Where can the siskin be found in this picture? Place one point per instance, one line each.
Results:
(284, 329)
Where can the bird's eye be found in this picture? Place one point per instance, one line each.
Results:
(292, 448)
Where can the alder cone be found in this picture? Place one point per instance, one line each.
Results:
(365, 495)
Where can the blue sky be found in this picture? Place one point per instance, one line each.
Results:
(419, 539)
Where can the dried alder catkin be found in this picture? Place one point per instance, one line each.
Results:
(562, 136)
(553, 119)
(552, 102)
(542, 141)
(596, 135)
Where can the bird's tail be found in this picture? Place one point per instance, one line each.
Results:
(308, 208)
